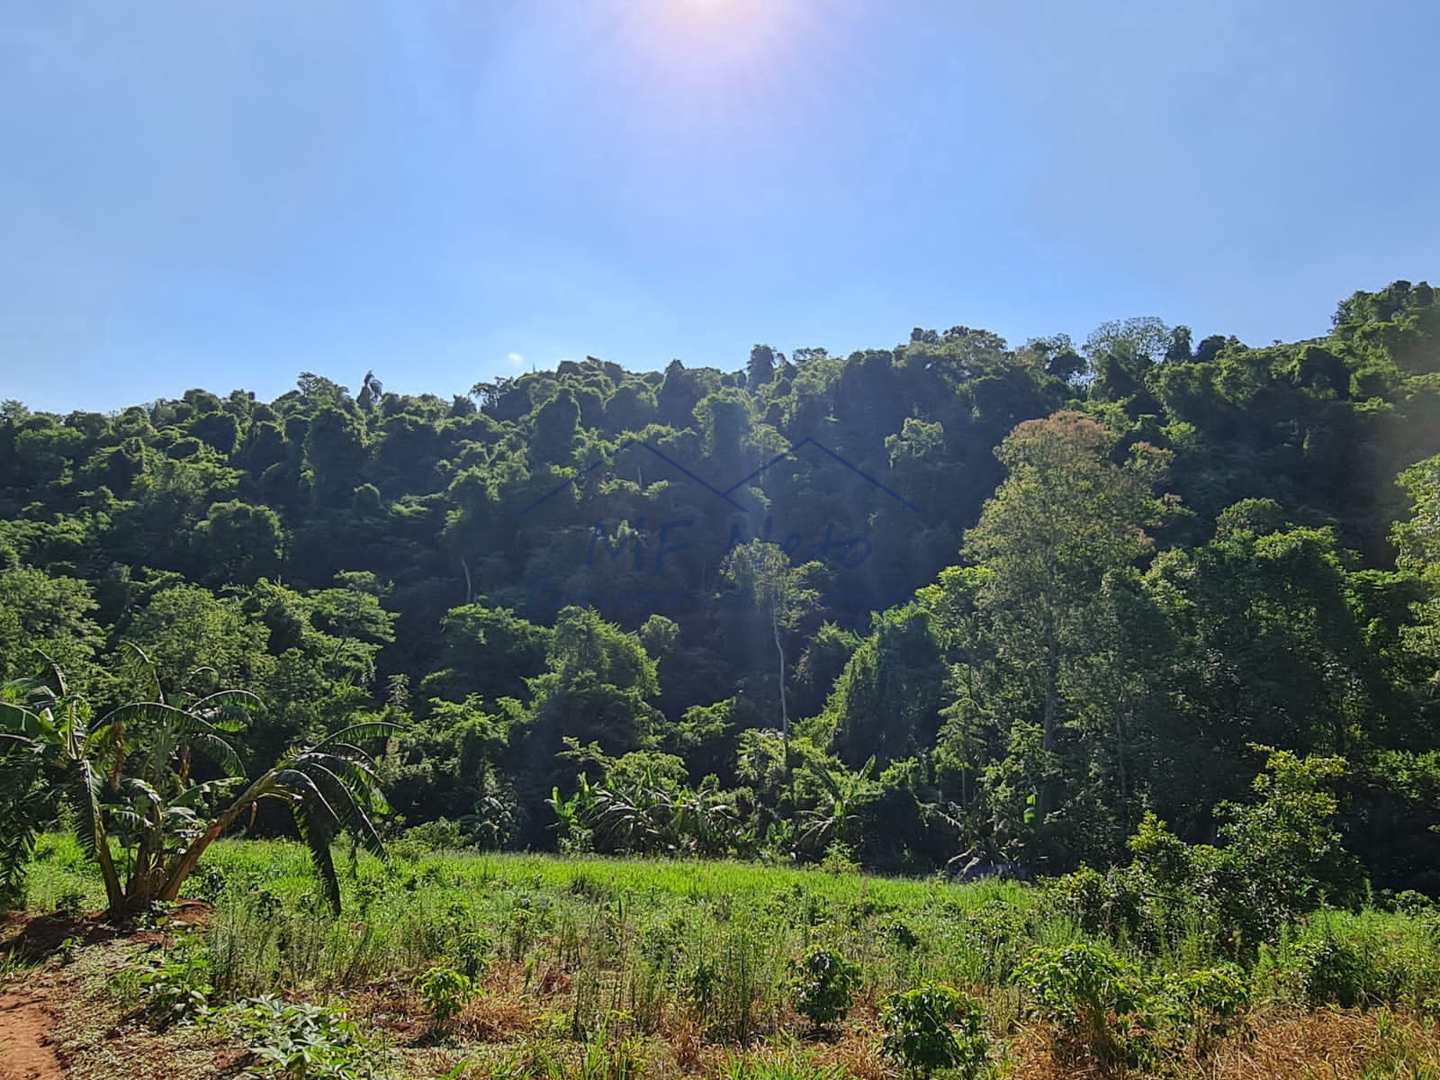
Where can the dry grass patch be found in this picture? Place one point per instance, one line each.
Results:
(1332, 1043)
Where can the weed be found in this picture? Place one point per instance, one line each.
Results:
(779, 1067)
(302, 1042)
(1083, 993)
(70, 903)
(178, 986)
(67, 949)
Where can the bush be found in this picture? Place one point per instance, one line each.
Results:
(1110, 904)
(935, 1027)
(1083, 992)
(996, 934)
(473, 949)
(901, 935)
(1193, 1011)
(824, 983)
(1410, 902)
(1334, 971)
(70, 903)
(1282, 859)
(445, 992)
(442, 834)
(1316, 966)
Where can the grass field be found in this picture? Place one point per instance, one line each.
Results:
(469, 965)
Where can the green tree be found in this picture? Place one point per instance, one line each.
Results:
(45, 619)
(761, 572)
(335, 451)
(761, 368)
(886, 702)
(1417, 540)
(241, 543)
(1065, 516)
(556, 425)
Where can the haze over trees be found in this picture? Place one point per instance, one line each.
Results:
(953, 597)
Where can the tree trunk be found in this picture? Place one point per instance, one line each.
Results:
(114, 894)
(784, 708)
(1045, 797)
(1120, 769)
(185, 865)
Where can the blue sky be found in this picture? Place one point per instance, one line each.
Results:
(224, 195)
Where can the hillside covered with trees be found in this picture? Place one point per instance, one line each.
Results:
(955, 603)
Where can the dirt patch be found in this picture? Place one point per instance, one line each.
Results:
(25, 1049)
(38, 936)
(60, 1017)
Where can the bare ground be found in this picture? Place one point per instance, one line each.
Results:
(26, 1052)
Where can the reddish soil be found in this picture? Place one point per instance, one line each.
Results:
(25, 1050)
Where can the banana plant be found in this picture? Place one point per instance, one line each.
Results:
(128, 776)
(50, 751)
(834, 814)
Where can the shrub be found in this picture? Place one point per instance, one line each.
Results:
(1083, 992)
(839, 859)
(444, 991)
(1410, 902)
(935, 1027)
(1282, 856)
(1318, 967)
(1334, 971)
(442, 834)
(1281, 859)
(67, 949)
(473, 948)
(824, 983)
(697, 985)
(1193, 1011)
(206, 883)
(70, 902)
(901, 935)
(995, 934)
(742, 978)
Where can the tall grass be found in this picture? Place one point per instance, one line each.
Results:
(609, 956)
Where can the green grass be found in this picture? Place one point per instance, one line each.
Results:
(60, 877)
(610, 958)
(622, 918)
(705, 881)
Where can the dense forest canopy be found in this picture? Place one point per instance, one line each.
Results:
(952, 598)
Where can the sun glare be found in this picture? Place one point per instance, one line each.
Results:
(702, 38)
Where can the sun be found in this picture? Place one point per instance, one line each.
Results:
(709, 35)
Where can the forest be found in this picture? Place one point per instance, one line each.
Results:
(1151, 620)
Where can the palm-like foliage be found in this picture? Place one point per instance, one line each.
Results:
(706, 818)
(647, 815)
(329, 787)
(130, 776)
(834, 814)
(51, 752)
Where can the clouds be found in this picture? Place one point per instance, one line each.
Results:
(515, 360)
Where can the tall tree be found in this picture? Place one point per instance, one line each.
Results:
(761, 572)
(1065, 516)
